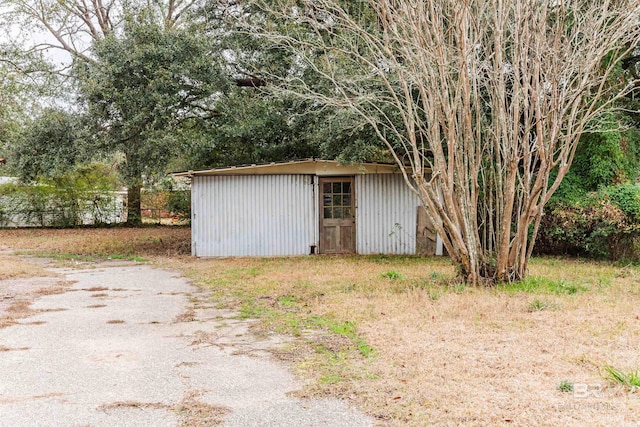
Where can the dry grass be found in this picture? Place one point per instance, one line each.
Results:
(189, 315)
(3, 348)
(100, 295)
(131, 404)
(194, 413)
(109, 242)
(58, 288)
(13, 267)
(401, 340)
(15, 311)
(190, 411)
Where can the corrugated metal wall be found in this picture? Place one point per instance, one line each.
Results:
(253, 215)
(386, 215)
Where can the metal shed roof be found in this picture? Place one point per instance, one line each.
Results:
(304, 167)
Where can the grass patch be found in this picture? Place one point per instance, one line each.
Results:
(630, 380)
(540, 305)
(541, 285)
(565, 386)
(392, 275)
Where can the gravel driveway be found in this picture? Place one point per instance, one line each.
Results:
(132, 345)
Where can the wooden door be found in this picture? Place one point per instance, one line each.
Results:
(337, 215)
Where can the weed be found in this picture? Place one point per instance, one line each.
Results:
(287, 301)
(631, 380)
(565, 386)
(459, 287)
(392, 275)
(539, 305)
(331, 379)
(434, 294)
(562, 287)
(604, 282)
(365, 349)
(534, 284)
(249, 310)
(127, 258)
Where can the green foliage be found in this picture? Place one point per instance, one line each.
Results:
(605, 158)
(565, 386)
(143, 86)
(49, 145)
(179, 202)
(631, 380)
(605, 224)
(24, 81)
(392, 275)
(147, 89)
(349, 330)
(534, 284)
(83, 196)
(253, 127)
(168, 197)
(627, 198)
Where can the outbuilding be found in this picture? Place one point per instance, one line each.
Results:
(307, 207)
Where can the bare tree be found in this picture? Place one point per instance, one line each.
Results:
(72, 25)
(481, 102)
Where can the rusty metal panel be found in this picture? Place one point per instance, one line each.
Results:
(262, 215)
(386, 217)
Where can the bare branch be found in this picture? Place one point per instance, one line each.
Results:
(491, 95)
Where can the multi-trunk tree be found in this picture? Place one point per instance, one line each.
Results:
(480, 102)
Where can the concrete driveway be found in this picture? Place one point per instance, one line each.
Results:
(132, 345)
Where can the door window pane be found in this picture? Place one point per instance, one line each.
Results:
(327, 200)
(326, 187)
(327, 213)
(346, 187)
(337, 213)
(346, 200)
(346, 212)
(337, 186)
(337, 200)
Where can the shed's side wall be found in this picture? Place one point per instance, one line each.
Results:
(268, 215)
(386, 215)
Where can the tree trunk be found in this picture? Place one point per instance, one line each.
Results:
(134, 211)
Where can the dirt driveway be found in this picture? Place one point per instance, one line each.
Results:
(118, 344)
